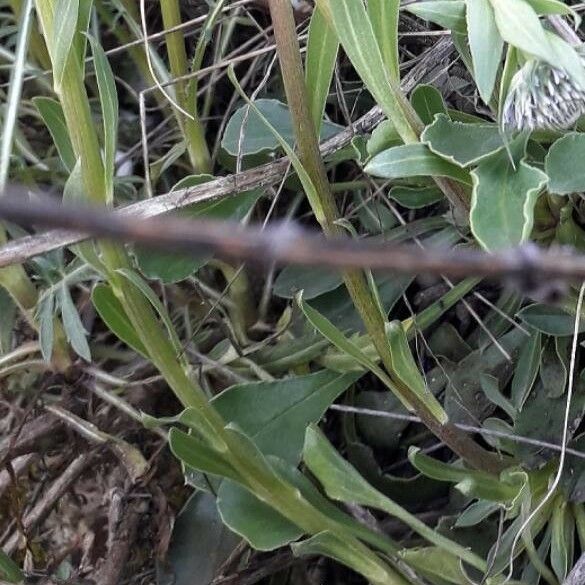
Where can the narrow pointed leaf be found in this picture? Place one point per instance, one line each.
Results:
(322, 46)
(486, 45)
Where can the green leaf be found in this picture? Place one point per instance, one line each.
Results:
(200, 544)
(413, 160)
(197, 454)
(476, 513)
(433, 563)
(356, 34)
(520, 26)
(74, 330)
(503, 199)
(156, 303)
(262, 526)
(427, 101)
(275, 414)
(9, 570)
(339, 340)
(351, 554)
(113, 315)
(172, 267)
(564, 56)
(65, 26)
(555, 7)
(563, 164)
(45, 318)
(384, 17)
(383, 137)
(471, 483)
(550, 319)
(563, 537)
(449, 14)
(486, 46)
(490, 386)
(109, 105)
(312, 281)
(322, 47)
(526, 370)
(342, 482)
(416, 197)
(407, 370)
(52, 114)
(257, 136)
(461, 143)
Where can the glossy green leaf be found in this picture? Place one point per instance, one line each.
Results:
(112, 313)
(503, 199)
(257, 136)
(342, 482)
(53, 117)
(322, 46)
(109, 105)
(74, 330)
(384, 17)
(9, 570)
(550, 319)
(563, 164)
(427, 101)
(486, 46)
(413, 160)
(406, 369)
(275, 414)
(460, 143)
(449, 14)
(65, 27)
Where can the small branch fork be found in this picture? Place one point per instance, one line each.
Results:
(287, 243)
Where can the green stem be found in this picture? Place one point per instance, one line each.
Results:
(258, 478)
(192, 127)
(327, 214)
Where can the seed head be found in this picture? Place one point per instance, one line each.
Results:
(543, 97)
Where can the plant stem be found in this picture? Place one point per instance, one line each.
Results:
(292, 72)
(192, 127)
(255, 475)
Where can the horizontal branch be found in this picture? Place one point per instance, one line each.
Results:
(263, 176)
(288, 243)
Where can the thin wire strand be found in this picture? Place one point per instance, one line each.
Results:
(463, 427)
(560, 470)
